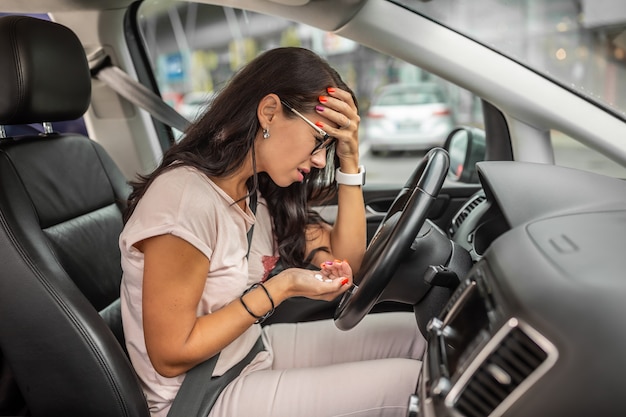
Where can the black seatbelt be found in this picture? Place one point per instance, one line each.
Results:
(132, 90)
(252, 205)
(199, 390)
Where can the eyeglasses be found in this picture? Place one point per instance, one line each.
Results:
(325, 142)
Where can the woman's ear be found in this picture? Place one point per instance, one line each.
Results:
(267, 109)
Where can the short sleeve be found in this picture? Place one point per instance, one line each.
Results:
(179, 202)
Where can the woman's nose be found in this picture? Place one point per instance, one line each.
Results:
(319, 158)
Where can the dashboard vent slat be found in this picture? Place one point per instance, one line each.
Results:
(458, 220)
(514, 359)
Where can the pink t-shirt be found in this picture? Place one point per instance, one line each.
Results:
(187, 204)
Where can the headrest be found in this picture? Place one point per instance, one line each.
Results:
(44, 72)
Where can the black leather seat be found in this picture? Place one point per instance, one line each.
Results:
(61, 202)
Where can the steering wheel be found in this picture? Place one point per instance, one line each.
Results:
(393, 238)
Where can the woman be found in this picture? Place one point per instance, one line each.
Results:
(193, 286)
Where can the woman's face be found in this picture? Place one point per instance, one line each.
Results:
(286, 155)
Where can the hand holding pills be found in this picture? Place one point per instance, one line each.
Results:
(331, 270)
(333, 279)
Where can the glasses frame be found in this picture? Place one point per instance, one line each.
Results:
(325, 142)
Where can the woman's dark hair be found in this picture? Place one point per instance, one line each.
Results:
(223, 137)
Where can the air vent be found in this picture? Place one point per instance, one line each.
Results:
(467, 209)
(511, 363)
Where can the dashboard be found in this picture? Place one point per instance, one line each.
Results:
(536, 327)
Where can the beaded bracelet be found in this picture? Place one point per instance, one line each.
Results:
(259, 319)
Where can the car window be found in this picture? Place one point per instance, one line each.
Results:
(571, 153)
(195, 48)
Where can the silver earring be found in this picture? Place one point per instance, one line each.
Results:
(266, 133)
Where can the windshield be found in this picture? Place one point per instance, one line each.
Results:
(580, 44)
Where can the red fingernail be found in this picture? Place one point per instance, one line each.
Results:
(320, 125)
(344, 281)
(331, 90)
(322, 99)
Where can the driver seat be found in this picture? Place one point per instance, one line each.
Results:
(61, 202)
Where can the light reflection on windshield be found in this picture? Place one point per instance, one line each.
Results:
(579, 43)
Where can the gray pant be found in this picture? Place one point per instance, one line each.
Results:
(320, 371)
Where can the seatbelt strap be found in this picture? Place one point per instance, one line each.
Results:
(253, 201)
(132, 90)
(199, 390)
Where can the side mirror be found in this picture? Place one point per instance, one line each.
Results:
(466, 146)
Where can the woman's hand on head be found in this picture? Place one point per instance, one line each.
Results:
(339, 108)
